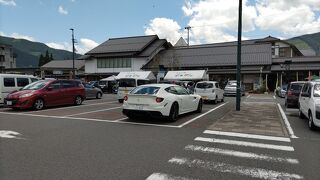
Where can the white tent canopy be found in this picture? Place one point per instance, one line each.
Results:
(136, 75)
(110, 78)
(186, 75)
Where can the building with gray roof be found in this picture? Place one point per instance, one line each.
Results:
(62, 69)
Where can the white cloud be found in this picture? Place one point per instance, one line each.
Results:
(82, 47)
(290, 17)
(8, 2)
(164, 28)
(73, 0)
(17, 36)
(63, 11)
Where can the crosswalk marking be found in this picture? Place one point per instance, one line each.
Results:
(228, 168)
(240, 154)
(245, 143)
(162, 176)
(243, 135)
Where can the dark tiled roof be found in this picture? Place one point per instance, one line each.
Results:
(252, 54)
(120, 45)
(64, 64)
(153, 47)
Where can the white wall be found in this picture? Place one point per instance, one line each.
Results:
(136, 64)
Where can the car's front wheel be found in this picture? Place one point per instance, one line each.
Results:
(311, 124)
(174, 112)
(38, 104)
(99, 95)
(199, 109)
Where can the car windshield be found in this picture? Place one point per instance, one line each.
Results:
(87, 85)
(316, 90)
(149, 90)
(204, 85)
(284, 87)
(35, 85)
(127, 83)
(102, 82)
(296, 87)
(232, 85)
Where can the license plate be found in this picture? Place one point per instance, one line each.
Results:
(139, 107)
(9, 103)
(204, 97)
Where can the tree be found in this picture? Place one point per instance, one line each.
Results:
(41, 61)
(45, 59)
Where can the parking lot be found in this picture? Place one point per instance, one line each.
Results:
(108, 109)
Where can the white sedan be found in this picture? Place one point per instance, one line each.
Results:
(165, 100)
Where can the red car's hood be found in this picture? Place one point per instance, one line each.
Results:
(18, 93)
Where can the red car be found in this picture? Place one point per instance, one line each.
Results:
(44, 93)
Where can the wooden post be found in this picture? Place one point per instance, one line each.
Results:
(267, 83)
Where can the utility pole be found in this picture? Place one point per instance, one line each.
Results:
(73, 69)
(188, 28)
(238, 98)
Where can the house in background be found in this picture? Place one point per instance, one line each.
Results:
(7, 57)
(122, 55)
(62, 69)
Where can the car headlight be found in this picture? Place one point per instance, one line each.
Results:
(26, 95)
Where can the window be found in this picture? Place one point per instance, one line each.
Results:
(114, 63)
(35, 85)
(9, 82)
(204, 85)
(181, 91)
(127, 83)
(55, 85)
(34, 79)
(282, 52)
(296, 86)
(145, 90)
(2, 58)
(22, 82)
(316, 90)
(67, 84)
(142, 82)
(171, 90)
(217, 85)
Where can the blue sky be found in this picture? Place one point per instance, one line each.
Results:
(95, 21)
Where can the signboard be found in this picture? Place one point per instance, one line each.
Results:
(186, 75)
(57, 72)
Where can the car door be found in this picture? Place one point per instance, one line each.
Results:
(53, 95)
(187, 99)
(67, 91)
(219, 90)
(304, 100)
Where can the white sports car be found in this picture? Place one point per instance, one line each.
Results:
(160, 100)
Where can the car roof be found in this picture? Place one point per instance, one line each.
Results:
(207, 82)
(294, 82)
(164, 85)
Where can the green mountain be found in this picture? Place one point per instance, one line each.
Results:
(28, 52)
(307, 43)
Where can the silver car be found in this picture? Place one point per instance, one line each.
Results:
(92, 91)
(231, 89)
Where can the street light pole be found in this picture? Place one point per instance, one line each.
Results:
(73, 70)
(239, 57)
(188, 28)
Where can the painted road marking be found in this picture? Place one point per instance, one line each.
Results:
(240, 154)
(71, 107)
(274, 97)
(245, 143)
(229, 168)
(248, 96)
(9, 134)
(286, 122)
(88, 112)
(191, 120)
(243, 135)
(162, 176)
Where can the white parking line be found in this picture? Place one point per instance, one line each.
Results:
(229, 168)
(240, 154)
(71, 107)
(162, 176)
(286, 122)
(243, 135)
(201, 115)
(245, 143)
(248, 96)
(274, 97)
(88, 112)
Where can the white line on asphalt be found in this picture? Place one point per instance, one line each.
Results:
(284, 117)
(70, 107)
(245, 143)
(240, 154)
(121, 119)
(88, 112)
(274, 97)
(243, 135)
(90, 119)
(229, 168)
(162, 176)
(190, 121)
(248, 96)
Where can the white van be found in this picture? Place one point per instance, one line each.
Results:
(209, 91)
(129, 80)
(12, 82)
